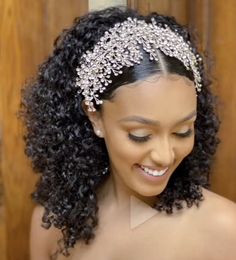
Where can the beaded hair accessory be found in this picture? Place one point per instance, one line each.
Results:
(120, 47)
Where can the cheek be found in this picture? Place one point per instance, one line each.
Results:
(185, 149)
(120, 148)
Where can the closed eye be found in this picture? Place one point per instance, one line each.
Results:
(186, 134)
(139, 139)
(142, 139)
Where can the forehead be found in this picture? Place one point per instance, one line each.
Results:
(159, 97)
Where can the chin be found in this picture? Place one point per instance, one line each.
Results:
(154, 193)
(150, 191)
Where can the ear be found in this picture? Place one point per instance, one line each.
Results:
(96, 120)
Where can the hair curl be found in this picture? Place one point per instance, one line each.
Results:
(66, 153)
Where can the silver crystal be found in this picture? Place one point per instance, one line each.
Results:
(120, 47)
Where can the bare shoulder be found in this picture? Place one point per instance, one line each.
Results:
(223, 209)
(42, 241)
(217, 217)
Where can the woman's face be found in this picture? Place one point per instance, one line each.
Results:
(148, 129)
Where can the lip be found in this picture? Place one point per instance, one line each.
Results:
(153, 168)
(150, 178)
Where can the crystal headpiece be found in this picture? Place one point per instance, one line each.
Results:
(120, 47)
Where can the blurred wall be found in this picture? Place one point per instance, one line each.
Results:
(96, 5)
(27, 31)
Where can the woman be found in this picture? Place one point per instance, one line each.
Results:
(122, 110)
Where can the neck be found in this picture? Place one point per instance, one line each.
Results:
(118, 195)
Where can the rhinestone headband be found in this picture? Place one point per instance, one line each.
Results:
(120, 47)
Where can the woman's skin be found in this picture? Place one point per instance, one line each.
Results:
(149, 123)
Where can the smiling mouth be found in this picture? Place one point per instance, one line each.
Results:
(153, 172)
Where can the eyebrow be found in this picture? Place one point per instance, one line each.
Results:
(147, 121)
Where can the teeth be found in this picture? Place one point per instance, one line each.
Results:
(154, 172)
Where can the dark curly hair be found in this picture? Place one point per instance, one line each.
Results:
(70, 159)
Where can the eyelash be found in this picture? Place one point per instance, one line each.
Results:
(140, 139)
(186, 134)
(143, 139)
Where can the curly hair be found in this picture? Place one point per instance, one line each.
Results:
(71, 160)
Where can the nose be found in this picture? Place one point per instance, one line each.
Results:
(162, 153)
